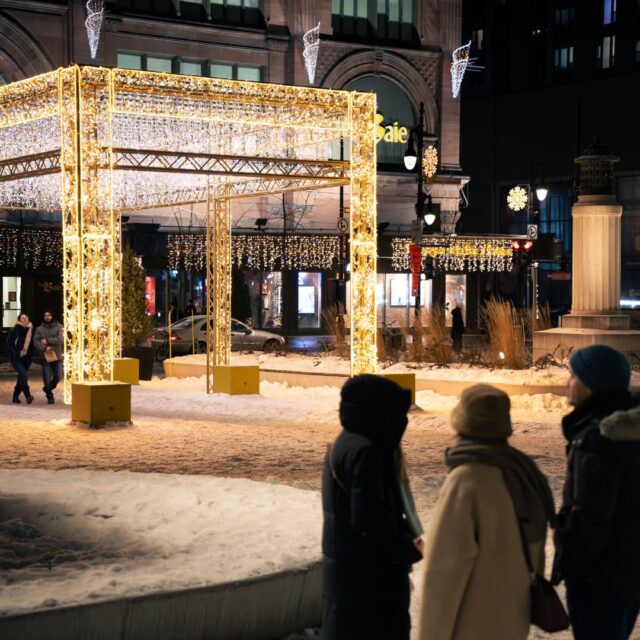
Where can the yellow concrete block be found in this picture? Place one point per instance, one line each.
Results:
(126, 370)
(405, 380)
(98, 402)
(236, 379)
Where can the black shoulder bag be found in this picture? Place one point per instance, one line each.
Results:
(547, 611)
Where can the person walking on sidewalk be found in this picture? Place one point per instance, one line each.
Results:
(598, 535)
(493, 501)
(457, 328)
(371, 533)
(48, 341)
(20, 348)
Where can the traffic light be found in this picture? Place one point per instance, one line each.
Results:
(523, 249)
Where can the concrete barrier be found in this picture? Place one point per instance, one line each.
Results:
(322, 379)
(268, 606)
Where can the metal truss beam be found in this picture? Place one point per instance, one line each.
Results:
(225, 165)
(39, 164)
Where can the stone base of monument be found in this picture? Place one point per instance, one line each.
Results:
(579, 331)
(606, 322)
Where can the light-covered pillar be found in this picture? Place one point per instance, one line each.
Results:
(91, 245)
(218, 249)
(363, 233)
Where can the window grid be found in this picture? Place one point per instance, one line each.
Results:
(191, 67)
(387, 19)
(565, 16)
(563, 58)
(606, 52)
(609, 11)
(477, 39)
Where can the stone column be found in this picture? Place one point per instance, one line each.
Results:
(595, 316)
(596, 246)
(596, 255)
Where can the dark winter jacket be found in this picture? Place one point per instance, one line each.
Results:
(457, 324)
(367, 544)
(15, 343)
(54, 333)
(598, 533)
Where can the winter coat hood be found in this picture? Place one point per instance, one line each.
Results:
(376, 408)
(622, 425)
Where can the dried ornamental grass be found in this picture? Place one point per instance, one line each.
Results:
(333, 318)
(506, 330)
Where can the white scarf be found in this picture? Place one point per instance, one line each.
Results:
(27, 340)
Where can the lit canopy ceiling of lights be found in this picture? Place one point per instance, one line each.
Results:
(95, 142)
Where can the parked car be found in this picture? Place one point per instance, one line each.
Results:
(190, 331)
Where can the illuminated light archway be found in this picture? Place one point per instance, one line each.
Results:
(94, 142)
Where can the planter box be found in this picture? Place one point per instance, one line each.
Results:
(145, 356)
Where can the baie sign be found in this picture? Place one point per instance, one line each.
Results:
(391, 132)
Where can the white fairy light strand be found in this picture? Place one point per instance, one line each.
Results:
(93, 24)
(459, 62)
(311, 40)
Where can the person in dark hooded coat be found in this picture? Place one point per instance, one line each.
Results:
(598, 535)
(371, 533)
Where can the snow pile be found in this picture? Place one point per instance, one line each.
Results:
(185, 398)
(80, 536)
(327, 363)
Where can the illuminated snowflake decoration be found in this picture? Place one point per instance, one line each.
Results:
(517, 199)
(459, 62)
(430, 161)
(311, 40)
(93, 24)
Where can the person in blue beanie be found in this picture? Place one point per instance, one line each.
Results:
(598, 534)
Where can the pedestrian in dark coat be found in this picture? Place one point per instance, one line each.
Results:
(457, 329)
(371, 532)
(20, 348)
(49, 338)
(598, 534)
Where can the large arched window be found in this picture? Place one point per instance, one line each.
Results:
(395, 117)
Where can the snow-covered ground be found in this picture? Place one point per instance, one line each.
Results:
(328, 363)
(279, 437)
(79, 536)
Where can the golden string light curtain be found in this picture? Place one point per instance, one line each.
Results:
(458, 254)
(30, 248)
(263, 252)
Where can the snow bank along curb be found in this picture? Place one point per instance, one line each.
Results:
(178, 369)
(269, 606)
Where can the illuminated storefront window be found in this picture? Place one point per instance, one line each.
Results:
(455, 291)
(265, 297)
(309, 300)
(396, 305)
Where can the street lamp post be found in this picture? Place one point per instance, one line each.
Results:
(414, 156)
(538, 193)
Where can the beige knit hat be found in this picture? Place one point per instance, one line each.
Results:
(483, 412)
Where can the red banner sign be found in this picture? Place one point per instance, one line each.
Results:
(415, 259)
(150, 294)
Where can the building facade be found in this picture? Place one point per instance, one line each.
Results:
(400, 49)
(556, 74)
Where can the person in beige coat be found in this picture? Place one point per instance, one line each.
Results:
(476, 583)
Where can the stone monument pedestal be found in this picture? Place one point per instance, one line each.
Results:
(593, 330)
(595, 316)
